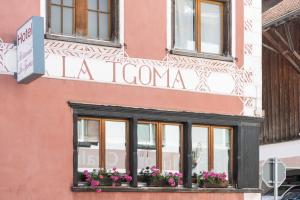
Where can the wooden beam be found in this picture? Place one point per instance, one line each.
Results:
(287, 45)
(289, 37)
(270, 48)
(281, 49)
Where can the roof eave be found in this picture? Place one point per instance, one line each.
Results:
(282, 19)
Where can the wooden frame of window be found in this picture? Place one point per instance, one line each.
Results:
(211, 146)
(159, 140)
(80, 24)
(225, 36)
(102, 141)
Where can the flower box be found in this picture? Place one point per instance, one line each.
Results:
(215, 185)
(211, 179)
(154, 178)
(156, 183)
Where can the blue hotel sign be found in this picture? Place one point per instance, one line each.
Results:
(30, 50)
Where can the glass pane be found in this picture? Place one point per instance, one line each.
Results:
(55, 19)
(92, 4)
(146, 152)
(92, 24)
(104, 5)
(199, 149)
(104, 27)
(211, 28)
(115, 141)
(222, 150)
(56, 1)
(171, 148)
(184, 24)
(88, 144)
(68, 2)
(68, 21)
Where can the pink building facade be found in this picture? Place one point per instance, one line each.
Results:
(143, 77)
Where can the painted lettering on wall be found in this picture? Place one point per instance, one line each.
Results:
(116, 72)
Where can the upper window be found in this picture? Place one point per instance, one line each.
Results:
(92, 19)
(199, 26)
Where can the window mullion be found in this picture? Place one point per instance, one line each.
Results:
(159, 145)
(133, 145)
(102, 144)
(211, 149)
(186, 154)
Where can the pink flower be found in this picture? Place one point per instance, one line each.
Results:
(171, 181)
(114, 178)
(95, 183)
(98, 190)
(127, 178)
(101, 177)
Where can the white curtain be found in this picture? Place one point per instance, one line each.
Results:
(184, 24)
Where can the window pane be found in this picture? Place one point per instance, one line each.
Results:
(211, 28)
(115, 141)
(222, 150)
(55, 19)
(92, 4)
(184, 24)
(171, 148)
(92, 24)
(104, 27)
(146, 152)
(88, 144)
(199, 149)
(68, 2)
(56, 1)
(104, 5)
(68, 21)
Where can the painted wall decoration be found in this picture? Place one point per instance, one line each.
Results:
(73, 61)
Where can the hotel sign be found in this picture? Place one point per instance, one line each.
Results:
(30, 50)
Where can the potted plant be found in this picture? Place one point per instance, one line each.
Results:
(154, 178)
(210, 179)
(104, 178)
(173, 179)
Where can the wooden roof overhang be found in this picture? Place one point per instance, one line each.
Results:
(279, 38)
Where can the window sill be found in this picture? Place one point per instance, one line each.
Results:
(201, 55)
(82, 40)
(165, 189)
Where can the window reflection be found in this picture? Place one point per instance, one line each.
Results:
(199, 149)
(211, 25)
(146, 133)
(222, 150)
(88, 144)
(184, 24)
(115, 145)
(171, 148)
